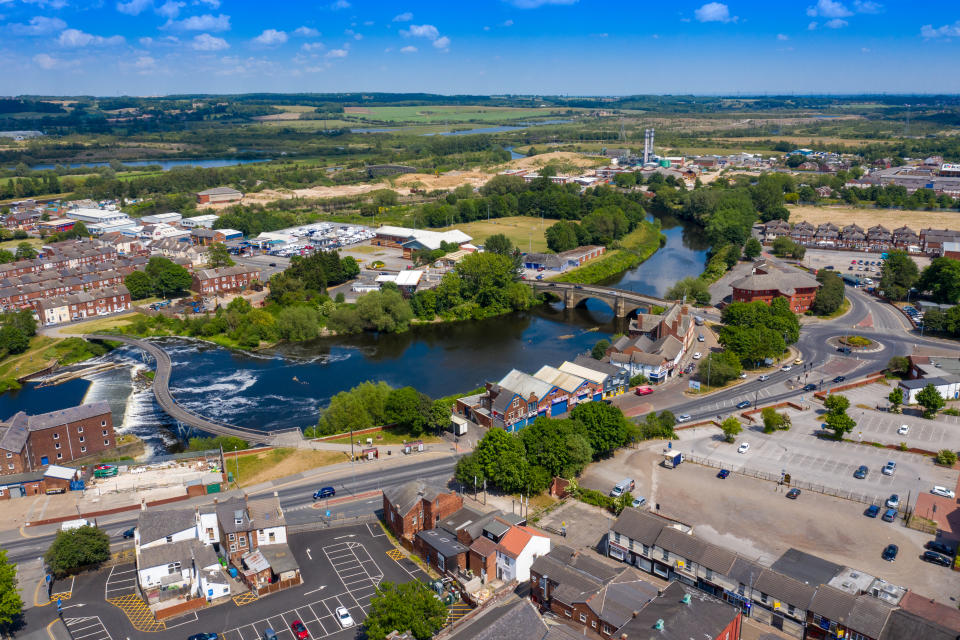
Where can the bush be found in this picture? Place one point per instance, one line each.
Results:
(952, 411)
(77, 549)
(946, 457)
(774, 421)
(642, 379)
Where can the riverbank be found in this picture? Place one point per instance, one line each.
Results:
(45, 352)
(634, 249)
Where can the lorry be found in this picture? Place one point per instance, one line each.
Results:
(672, 458)
(74, 524)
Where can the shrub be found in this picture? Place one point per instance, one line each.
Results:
(77, 549)
(946, 457)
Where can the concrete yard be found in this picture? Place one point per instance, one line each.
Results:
(817, 259)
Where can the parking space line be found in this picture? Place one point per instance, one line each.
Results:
(188, 618)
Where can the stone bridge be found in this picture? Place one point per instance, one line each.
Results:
(622, 302)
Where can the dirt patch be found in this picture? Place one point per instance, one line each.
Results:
(565, 157)
(890, 218)
(286, 115)
(292, 463)
(449, 180)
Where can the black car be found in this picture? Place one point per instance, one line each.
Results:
(840, 378)
(723, 474)
(128, 533)
(861, 472)
(940, 547)
(890, 552)
(809, 387)
(203, 636)
(743, 404)
(793, 494)
(325, 492)
(273, 264)
(937, 558)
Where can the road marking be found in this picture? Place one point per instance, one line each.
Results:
(315, 590)
(308, 553)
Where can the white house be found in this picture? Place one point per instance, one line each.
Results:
(517, 550)
(155, 528)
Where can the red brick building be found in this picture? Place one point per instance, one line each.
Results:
(28, 443)
(224, 279)
(767, 283)
(413, 507)
(219, 194)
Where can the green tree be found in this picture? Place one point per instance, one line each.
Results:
(690, 288)
(11, 606)
(931, 400)
(730, 427)
(607, 428)
(837, 419)
(167, 276)
(898, 275)
(896, 399)
(752, 249)
(13, 339)
(562, 236)
(219, 256)
(830, 296)
(410, 606)
(600, 349)
(503, 460)
(77, 549)
(561, 447)
(774, 421)
(6, 256)
(899, 365)
(297, 324)
(409, 409)
(25, 251)
(139, 284)
(942, 279)
(719, 368)
(836, 403)
(345, 411)
(946, 457)
(500, 244)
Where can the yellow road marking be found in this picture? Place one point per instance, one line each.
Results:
(244, 598)
(395, 554)
(137, 611)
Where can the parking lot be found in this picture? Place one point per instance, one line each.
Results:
(820, 461)
(840, 260)
(87, 628)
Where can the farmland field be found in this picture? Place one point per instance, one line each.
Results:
(890, 218)
(434, 114)
(520, 230)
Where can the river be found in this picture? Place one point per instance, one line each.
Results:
(165, 165)
(285, 387)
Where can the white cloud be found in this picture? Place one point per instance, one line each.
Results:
(408, 49)
(406, 16)
(271, 37)
(358, 36)
(313, 46)
(829, 9)
(812, 26)
(443, 42)
(337, 53)
(864, 50)
(534, 4)
(306, 32)
(205, 22)
(508, 23)
(422, 31)
(930, 32)
(336, 5)
(144, 62)
(782, 36)
(836, 23)
(207, 42)
(213, 4)
(45, 61)
(134, 7)
(77, 38)
(38, 26)
(170, 9)
(714, 12)
(865, 6)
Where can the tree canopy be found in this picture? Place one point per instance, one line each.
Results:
(410, 606)
(898, 275)
(942, 279)
(77, 549)
(11, 606)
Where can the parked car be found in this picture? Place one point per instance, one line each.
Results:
(643, 391)
(940, 547)
(723, 474)
(889, 468)
(638, 502)
(325, 492)
(839, 378)
(763, 377)
(683, 417)
(697, 355)
(890, 552)
(700, 338)
(937, 558)
(889, 515)
(872, 511)
(943, 491)
(893, 501)
(743, 448)
(799, 360)
(743, 404)
(793, 494)
(743, 375)
(861, 472)
(203, 636)
(128, 533)
(344, 617)
(299, 630)
(269, 634)
(853, 262)
(903, 430)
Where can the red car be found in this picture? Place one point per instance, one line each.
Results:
(643, 391)
(299, 631)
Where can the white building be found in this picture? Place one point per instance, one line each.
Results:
(96, 216)
(165, 218)
(517, 550)
(206, 221)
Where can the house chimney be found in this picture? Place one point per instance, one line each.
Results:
(143, 504)
(635, 614)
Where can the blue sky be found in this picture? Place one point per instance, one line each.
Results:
(582, 47)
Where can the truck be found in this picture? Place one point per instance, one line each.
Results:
(74, 524)
(672, 458)
(458, 426)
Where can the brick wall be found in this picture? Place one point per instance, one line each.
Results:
(67, 442)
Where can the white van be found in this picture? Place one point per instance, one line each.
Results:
(622, 487)
(74, 524)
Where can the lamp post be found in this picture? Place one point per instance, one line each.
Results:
(236, 459)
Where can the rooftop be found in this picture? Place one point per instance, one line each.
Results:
(805, 567)
(680, 613)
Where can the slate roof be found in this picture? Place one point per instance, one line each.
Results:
(785, 589)
(593, 375)
(513, 620)
(496, 527)
(280, 557)
(745, 571)
(265, 513)
(640, 526)
(616, 602)
(405, 496)
(869, 616)
(833, 604)
(786, 282)
(525, 385)
(702, 617)
(168, 553)
(903, 625)
(15, 432)
(154, 525)
(483, 547)
(219, 272)
(442, 542)
(62, 417)
(806, 567)
(597, 365)
(929, 608)
(461, 519)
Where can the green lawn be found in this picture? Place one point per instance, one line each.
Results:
(387, 436)
(459, 113)
(522, 231)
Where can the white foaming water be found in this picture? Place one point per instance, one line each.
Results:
(235, 383)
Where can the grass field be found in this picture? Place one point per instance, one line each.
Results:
(11, 245)
(309, 125)
(890, 218)
(387, 436)
(522, 230)
(431, 114)
(277, 463)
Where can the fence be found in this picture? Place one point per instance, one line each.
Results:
(799, 484)
(331, 523)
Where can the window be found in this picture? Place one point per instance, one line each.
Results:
(103, 423)
(741, 589)
(56, 446)
(104, 432)
(169, 538)
(791, 609)
(441, 562)
(59, 456)
(83, 449)
(9, 455)
(173, 567)
(567, 612)
(260, 532)
(81, 438)
(583, 618)
(10, 466)
(616, 537)
(607, 630)
(665, 554)
(593, 623)
(763, 597)
(233, 547)
(106, 443)
(209, 533)
(709, 574)
(79, 429)
(273, 536)
(232, 537)
(414, 520)
(56, 436)
(243, 541)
